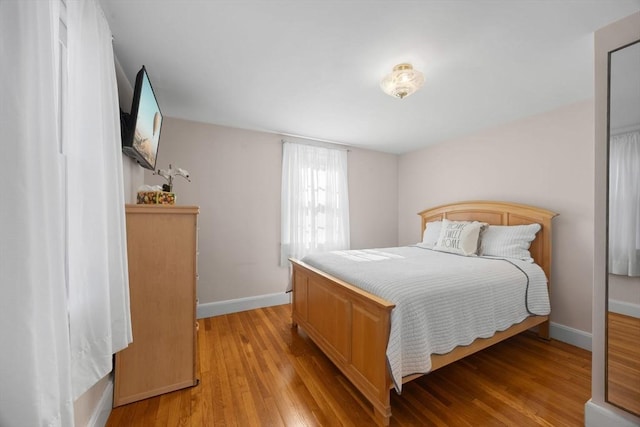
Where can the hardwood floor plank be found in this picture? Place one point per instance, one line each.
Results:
(623, 373)
(409, 411)
(255, 370)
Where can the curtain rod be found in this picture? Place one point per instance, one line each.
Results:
(315, 143)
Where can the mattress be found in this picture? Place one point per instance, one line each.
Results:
(442, 300)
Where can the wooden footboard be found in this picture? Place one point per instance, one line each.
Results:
(352, 326)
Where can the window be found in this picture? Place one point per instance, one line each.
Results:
(315, 202)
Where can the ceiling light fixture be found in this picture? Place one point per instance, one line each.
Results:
(403, 81)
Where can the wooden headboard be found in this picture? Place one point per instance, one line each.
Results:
(501, 213)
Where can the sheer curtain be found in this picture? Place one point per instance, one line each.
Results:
(35, 387)
(98, 280)
(624, 204)
(315, 200)
(64, 307)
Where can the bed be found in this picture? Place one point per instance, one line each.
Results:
(352, 326)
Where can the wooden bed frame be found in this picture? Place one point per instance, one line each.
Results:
(352, 326)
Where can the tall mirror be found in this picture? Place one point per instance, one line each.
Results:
(623, 288)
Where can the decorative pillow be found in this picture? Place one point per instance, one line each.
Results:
(509, 241)
(459, 237)
(431, 234)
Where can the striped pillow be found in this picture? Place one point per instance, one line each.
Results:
(509, 241)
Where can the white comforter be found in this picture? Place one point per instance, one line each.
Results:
(442, 300)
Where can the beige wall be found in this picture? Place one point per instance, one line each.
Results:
(544, 160)
(373, 199)
(624, 289)
(236, 182)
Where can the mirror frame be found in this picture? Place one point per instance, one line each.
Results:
(613, 36)
(606, 337)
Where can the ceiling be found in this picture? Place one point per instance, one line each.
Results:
(312, 68)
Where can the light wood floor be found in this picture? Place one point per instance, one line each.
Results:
(623, 380)
(255, 370)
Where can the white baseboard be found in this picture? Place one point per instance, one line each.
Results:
(598, 416)
(623, 307)
(103, 408)
(218, 308)
(571, 336)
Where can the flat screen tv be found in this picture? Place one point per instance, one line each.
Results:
(141, 127)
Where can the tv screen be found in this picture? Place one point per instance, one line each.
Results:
(141, 127)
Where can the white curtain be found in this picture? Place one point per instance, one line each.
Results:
(64, 307)
(315, 200)
(98, 279)
(624, 204)
(35, 387)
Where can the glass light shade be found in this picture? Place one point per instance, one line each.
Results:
(403, 81)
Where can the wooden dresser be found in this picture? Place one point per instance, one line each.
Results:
(161, 245)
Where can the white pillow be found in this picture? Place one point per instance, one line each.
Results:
(459, 237)
(431, 234)
(509, 241)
